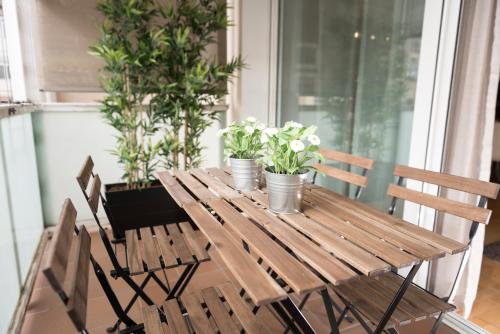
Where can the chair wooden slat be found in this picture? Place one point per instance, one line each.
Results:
(94, 194)
(465, 184)
(196, 313)
(77, 281)
(83, 176)
(309, 252)
(216, 185)
(152, 322)
(194, 185)
(179, 244)
(242, 310)
(176, 322)
(167, 252)
(459, 209)
(149, 249)
(292, 271)
(133, 252)
(387, 225)
(178, 193)
(196, 241)
(343, 175)
(347, 158)
(55, 267)
(218, 311)
(261, 288)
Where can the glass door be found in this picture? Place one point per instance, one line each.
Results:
(351, 67)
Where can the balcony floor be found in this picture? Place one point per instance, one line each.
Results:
(45, 311)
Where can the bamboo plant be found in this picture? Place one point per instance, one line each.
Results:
(189, 83)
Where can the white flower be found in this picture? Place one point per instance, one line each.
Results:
(297, 146)
(313, 139)
(293, 124)
(271, 131)
(260, 127)
(251, 119)
(264, 138)
(221, 132)
(249, 129)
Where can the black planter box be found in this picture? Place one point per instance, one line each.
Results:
(128, 209)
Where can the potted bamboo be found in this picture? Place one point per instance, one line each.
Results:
(157, 84)
(288, 152)
(242, 147)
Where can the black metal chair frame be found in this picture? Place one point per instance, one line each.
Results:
(409, 278)
(123, 273)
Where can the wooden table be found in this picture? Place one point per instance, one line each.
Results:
(335, 241)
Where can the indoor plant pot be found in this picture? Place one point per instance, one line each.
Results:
(135, 208)
(285, 191)
(246, 174)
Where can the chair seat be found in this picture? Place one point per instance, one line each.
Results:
(371, 296)
(150, 249)
(217, 309)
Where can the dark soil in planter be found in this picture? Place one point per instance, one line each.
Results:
(132, 208)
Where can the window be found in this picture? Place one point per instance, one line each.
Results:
(5, 80)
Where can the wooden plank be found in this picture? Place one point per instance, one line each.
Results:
(196, 241)
(56, 264)
(259, 197)
(95, 192)
(347, 158)
(242, 310)
(194, 185)
(216, 185)
(149, 250)
(392, 223)
(261, 288)
(346, 225)
(343, 175)
(226, 178)
(179, 244)
(83, 176)
(176, 322)
(152, 322)
(360, 259)
(196, 314)
(178, 193)
(77, 281)
(392, 236)
(135, 265)
(478, 187)
(459, 209)
(168, 254)
(219, 312)
(292, 271)
(327, 265)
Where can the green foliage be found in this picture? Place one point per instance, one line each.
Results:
(156, 78)
(243, 141)
(286, 152)
(189, 83)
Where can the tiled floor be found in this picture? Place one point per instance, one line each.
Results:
(46, 314)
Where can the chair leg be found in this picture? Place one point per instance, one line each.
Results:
(437, 323)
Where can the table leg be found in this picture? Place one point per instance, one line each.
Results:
(297, 316)
(329, 311)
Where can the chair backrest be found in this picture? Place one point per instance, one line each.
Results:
(359, 180)
(476, 213)
(85, 177)
(68, 271)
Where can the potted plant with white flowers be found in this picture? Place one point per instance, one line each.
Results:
(288, 151)
(243, 146)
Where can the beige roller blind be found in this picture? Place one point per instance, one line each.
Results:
(64, 30)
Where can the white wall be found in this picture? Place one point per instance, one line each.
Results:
(257, 81)
(64, 135)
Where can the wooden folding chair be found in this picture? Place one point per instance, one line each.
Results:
(412, 303)
(360, 181)
(148, 249)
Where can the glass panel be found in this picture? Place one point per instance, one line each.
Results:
(350, 67)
